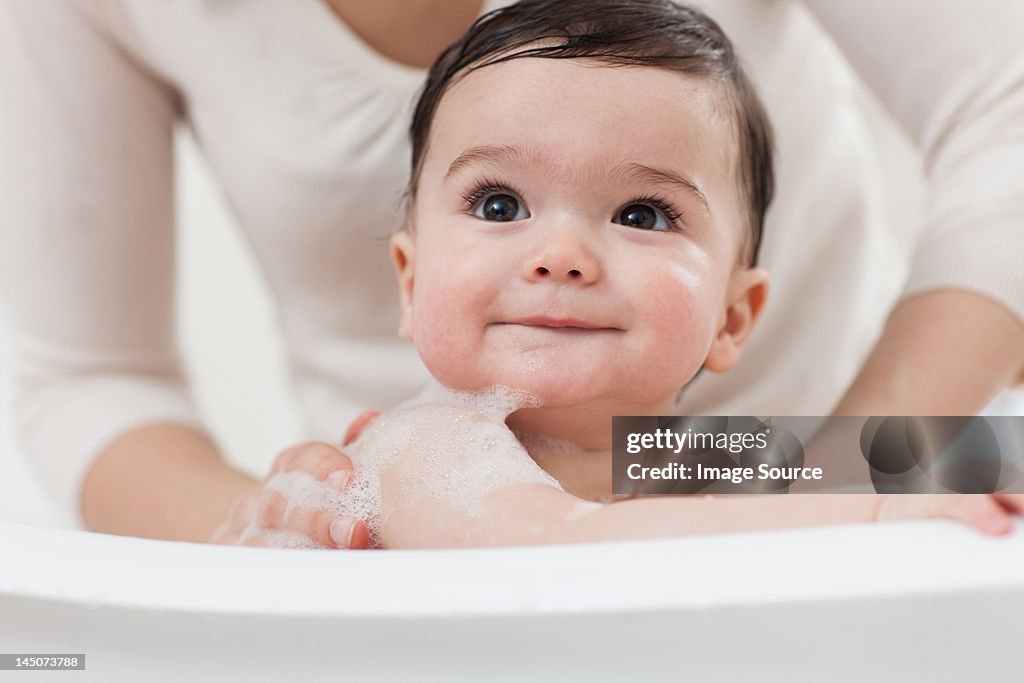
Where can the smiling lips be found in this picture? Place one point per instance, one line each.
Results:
(559, 323)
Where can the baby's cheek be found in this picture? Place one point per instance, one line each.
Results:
(681, 319)
(434, 334)
(442, 333)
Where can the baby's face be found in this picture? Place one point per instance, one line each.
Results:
(575, 234)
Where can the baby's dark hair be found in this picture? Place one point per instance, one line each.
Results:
(656, 33)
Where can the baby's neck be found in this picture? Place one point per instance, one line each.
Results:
(583, 472)
(572, 445)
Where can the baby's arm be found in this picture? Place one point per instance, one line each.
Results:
(523, 510)
(535, 514)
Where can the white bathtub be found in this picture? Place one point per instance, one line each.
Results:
(914, 601)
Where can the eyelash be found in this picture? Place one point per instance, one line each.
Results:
(661, 204)
(487, 186)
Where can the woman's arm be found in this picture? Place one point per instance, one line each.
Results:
(169, 481)
(941, 353)
(87, 246)
(952, 76)
(161, 481)
(87, 242)
(102, 407)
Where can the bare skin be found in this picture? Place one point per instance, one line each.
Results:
(265, 509)
(169, 481)
(161, 481)
(945, 352)
(540, 514)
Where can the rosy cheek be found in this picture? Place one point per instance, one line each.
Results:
(431, 324)
(681, 317)
(442, 325)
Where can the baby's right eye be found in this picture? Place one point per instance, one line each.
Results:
(501, 207)
(497, 204)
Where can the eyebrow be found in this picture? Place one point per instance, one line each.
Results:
(512, 155)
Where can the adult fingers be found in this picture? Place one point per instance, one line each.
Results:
(358, 425)
(319, 460)
(238, 517)
(1014, 502)
(273, 511)
(983, 512)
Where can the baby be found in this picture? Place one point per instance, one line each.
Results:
(588, 191)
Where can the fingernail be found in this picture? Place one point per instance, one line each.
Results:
(337, 480)
(341, 532)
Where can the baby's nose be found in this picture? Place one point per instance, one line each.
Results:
(562, 262)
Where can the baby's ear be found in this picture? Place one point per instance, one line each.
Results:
(403, 253)
(748, 291)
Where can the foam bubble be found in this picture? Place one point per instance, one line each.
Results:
(497, 402)
(277, 538)
(582, 509)
(447, 445)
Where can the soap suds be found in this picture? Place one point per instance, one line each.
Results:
(582, 509)
(451, 446)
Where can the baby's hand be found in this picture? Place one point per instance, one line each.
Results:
(989, 514)
(265, 518)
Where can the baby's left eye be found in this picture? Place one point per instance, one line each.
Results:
(646, 217)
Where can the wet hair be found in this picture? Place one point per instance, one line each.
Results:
(657, 33)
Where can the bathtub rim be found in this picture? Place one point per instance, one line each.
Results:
(899, 559)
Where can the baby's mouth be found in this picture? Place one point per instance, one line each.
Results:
(566, 324)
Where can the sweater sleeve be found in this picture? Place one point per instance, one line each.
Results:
(952, 75)
(86, 240)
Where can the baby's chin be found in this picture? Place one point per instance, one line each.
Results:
(547, 387)
(559, 376)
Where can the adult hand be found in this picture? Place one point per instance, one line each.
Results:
(989, 514)
(259, 518)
